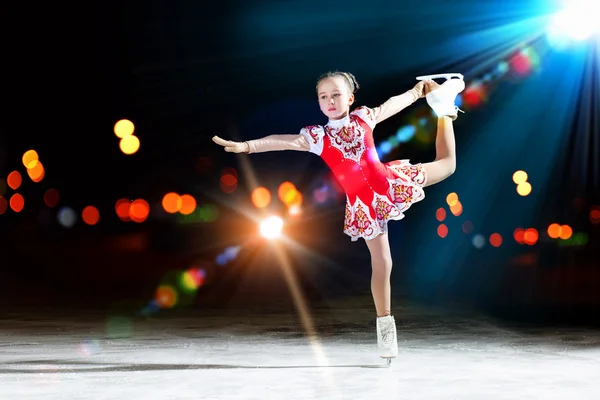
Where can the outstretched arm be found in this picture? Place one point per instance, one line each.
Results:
(398, 103)
(267, 143)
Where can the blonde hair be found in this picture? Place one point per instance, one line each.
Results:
(348, 77)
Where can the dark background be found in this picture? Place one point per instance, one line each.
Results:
(185, 71)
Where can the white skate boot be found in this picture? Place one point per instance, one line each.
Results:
(387, 342)
(441, 99)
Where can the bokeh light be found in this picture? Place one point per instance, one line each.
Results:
(67, 217)
(171, 202)
(3, 205)
(261, 197)
(452, 199)
(129, 144)
(442, 230)
(229, 180)
(565, 232)
(519, 177)
(524, 188)
(36, 171)
(14, 180)
(166, 297)
(139, 210)
(17, 202)
(286, 191)
(456, 209)
(595, 215)
(554, 231)
(531, 236)
(188, 204)
(467, 227)
(478, 241)
(29, 157)
(122, 209)
(496, 239)
(192, 279)
(90, 215)
(124, 128)
(440, 214)
(519, 235)
(51, 197)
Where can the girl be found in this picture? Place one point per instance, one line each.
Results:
(375, 192)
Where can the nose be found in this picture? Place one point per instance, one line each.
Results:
(331, 101)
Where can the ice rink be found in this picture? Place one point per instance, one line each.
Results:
(258, 354)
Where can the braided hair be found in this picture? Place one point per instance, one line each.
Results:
(348, 77)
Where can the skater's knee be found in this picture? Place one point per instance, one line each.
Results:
(382, 264)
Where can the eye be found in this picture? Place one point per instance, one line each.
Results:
(336, 95)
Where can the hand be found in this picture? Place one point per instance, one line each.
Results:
(421, 89)
(231, 146)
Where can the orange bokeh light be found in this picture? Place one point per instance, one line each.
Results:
(29, 157)
(90, 215)
(129, 144)
(36, 171)
(496, 239)
(524, 188)
(165, 296)
(14, 180)
(124, 128)
(51, 197)
(188, 204)
(565, 232)
(3, 205)
(440, 214)
(261, 197)
(284, 189)
(519, 235)
(457, 208)
(122, 209)
(595, 215)
(17, 202)
(554, 231)
(139, 210)
(171, 202)
(452, 199)
(442, 230)
(531, 236)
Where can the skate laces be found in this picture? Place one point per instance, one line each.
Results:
(387, 333)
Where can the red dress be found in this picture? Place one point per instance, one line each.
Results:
(376, 192)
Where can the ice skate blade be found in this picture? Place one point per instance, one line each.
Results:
(436, 76)
(388, 361)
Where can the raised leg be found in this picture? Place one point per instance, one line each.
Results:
(445, 149)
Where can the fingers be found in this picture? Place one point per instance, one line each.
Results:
(222, 142)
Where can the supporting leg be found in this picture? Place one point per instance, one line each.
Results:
(381, 265)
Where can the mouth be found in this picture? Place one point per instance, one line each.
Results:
(331, 109)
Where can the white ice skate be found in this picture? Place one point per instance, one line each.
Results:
(387, 342)
(441, 100)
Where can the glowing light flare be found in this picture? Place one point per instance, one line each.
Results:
(519, 177)
(36, 171)
(554, 231)
(261, 197)
(531, 236)
(3, 205)
(452, 199)
(51, 197)
(293, 198)
(122, 209)
(188, 204)
(519, 235)
(440, 214)
(139, 210)
(565, 232)
(520, 64)
(171, 202)
(165, 297)
(474, 95)
(442, 231)
(90, 215)
(271, 227)
(295, 210)
(524, 189)
(17, 202)
(129, 144)
(456, 209)
(14, 180)
(578, 21)
(124, 128)
(192, 279)
(496, 239)
(29, 157)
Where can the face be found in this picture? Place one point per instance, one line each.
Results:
(334, 97)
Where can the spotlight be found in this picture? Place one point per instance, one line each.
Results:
(576, 22)
(271, 227)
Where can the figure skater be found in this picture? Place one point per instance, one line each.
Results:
(376, 192)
